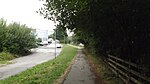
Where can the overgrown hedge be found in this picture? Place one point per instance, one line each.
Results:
(16, 38)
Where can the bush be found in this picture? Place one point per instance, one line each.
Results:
(16, 38)
(2, 33)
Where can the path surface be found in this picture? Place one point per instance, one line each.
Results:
(80, 72)
(39, 55)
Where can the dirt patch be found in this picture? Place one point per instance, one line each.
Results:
(2, 65)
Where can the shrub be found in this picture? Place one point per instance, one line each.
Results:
(16, 38)
(20, 39)
(2, 33)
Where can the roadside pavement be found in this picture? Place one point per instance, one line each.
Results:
(38, 56)
(80, 72)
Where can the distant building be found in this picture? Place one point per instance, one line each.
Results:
(42, 34)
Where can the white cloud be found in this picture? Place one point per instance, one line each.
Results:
(24, 12)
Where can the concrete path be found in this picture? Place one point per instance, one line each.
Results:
(80, 72)
(39, 55)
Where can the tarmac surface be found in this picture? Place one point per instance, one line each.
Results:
(80, 72)
(39, 55)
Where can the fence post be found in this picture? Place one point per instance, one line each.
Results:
(129, 66)
(117, 67)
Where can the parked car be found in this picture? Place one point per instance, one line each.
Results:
(50, 41)
(43, 43)
(58, 45)
(81, 45)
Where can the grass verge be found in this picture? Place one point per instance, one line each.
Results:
(45, 73)
(5, 57)
(102, 71)
(5, 62)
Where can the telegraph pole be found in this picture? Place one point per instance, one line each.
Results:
(55, 43)
(55, 35)
(64, 40)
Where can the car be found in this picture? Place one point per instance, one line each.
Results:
(81, 45)
(50, 41)
(58, 45)
(43, 43)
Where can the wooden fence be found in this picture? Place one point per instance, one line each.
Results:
(129, 72)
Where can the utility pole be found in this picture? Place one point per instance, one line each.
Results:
(55, 43)
(64, 39)
(55, 35)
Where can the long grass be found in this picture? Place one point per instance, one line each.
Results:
(5, 57)
(102, 70)
(45, 73)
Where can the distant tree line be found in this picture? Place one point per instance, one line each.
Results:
(117, 27)
(15, 38)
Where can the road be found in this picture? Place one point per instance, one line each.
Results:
(39, 55)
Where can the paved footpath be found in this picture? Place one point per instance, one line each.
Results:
(80, 72)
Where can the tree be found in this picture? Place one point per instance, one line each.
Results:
(61, 34)
(50, 36)
(118, 27)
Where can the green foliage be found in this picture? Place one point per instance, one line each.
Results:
(2, 63)
(16, 38)
(5, 56)
(102, 69)
(45, 73)
(3, 34)
(39, 40)
(106, 27)
(61, 34)
(50, 36)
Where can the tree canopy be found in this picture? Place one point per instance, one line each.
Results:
(119, 27)
(61, 34)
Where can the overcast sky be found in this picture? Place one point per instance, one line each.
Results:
(24, 12)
